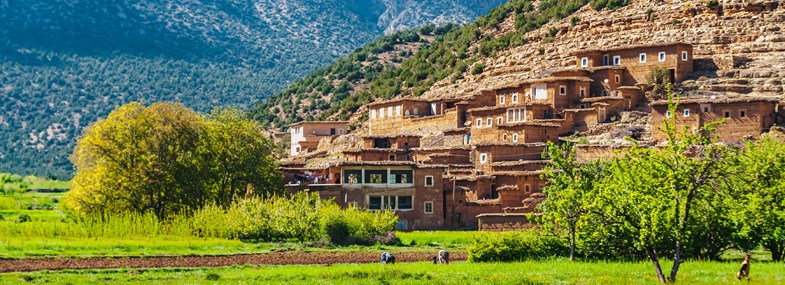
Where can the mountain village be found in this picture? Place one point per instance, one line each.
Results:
(475, 160)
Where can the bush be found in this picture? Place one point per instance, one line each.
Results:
(518, 246)
(356, 226)
(23, 218)
(478, 68)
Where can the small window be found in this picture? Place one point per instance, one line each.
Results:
(617, 78)
(583, 92)
(686, 113)
(375, 203)
(562, 90)
(527, 188)
(667, 114)
(642, 58)
(727, 114)
(661, 56)
(616, 60)
(583, 106)
(705, 109)
(489, 121)
(514, 98)
(381, 113)
(684, 56)
(504, 137)
(428, 209)
(398, 110)
(499, 120)
(392, 157)
(414, 111)
(479, 123)
(373, 113)
(352, 204)
(404, 203)
(515, 137)
(742, 114)
(585, 62)
(483, 158)
(429, 180)
(605, 60)
(501, 99)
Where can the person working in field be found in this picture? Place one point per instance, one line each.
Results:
(388, 258)
(443, 257)
(744, 270)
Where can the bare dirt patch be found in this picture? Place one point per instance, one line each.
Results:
(275, 258)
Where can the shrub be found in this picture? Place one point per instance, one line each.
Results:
(713, 4)
(574, 21)
(517, 246)
(478, 68)
(356, 226)
(23, 218)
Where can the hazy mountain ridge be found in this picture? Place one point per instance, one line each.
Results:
(67, 63)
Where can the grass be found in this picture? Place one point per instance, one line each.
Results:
(533, 272)
(441, 239)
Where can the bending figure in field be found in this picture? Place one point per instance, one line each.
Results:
(443, 257)
(388, 258)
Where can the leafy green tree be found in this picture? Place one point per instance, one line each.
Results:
(760, 209)
(167, 159)
(654, 193)
(568, 183)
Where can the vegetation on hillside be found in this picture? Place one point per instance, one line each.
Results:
(454, 53)
(64, 66)
(690, 199)
(167, 159)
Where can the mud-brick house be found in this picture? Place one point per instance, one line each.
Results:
(744, 117)
(305, 136)
(638, 61)
(415, 114)
(489, 153)
(414, 192)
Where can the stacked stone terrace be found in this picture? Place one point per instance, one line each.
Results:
(475, 160)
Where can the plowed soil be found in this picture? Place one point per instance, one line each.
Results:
(274, 258)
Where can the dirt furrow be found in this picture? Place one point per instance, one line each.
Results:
(274, 258)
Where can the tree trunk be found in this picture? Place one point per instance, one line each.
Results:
(656, 261)
(776, 249)
(572, 243)
(676, 262)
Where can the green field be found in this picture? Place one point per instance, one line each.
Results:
(546, 272)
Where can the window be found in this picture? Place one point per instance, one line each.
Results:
(392, 157)
(527, 188)
(501, 100)
(389, 202)
(489, 122)
(617, 78)
(515, 98)
(373, 113)
(515, 137)
(352, 204)
(585, 62)
(605, 60)
(375, 176)
(504, 137)
(562, 90)
(705, 109)
(389, 111)
(583, 92)
(727, 114)
(499, 120)
(684, 56)
(483, 158)
(414, 111)
(381, 113)
(667, 114)
(686, 113)
(429, 180)
(401, 176)
(428, 209)
(404, 203)
(375, 203)
(583, 106)
(616, 60)
(398, 110)
(661, 56)
(742, 113)
(642, 58)
(352, 176)
(479, 123)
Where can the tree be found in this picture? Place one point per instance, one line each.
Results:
(760, 209)
(652, 192)
(238, 154)
(568, 183)
(167, 159)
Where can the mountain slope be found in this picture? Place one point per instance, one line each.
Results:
(66, 63)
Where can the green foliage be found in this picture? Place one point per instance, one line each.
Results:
(713, 4)
(23, 218)
(658, 79)
(167, 159)
(574, 21)
(12, 183)
(517, 246)
(478, 68)
(355, 226)
(609, 4)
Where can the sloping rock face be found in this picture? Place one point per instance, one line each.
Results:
(739, 46)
